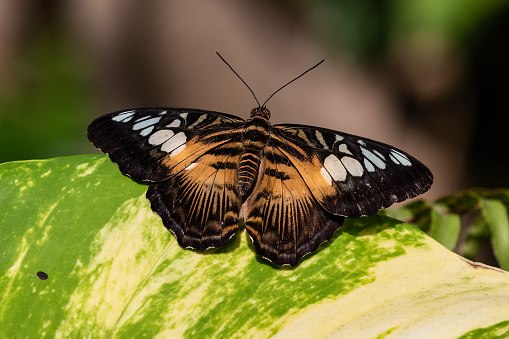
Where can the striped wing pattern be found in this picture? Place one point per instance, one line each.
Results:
(153, 144)
(292, 185)
(201, 203)
(349, 175)
(190, 159)
(281, 216)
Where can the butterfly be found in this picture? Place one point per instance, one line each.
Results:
(291, 185)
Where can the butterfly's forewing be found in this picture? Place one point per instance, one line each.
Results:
(281, 215)
(349, 175)
(154, 143)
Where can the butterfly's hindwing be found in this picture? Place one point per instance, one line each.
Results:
(147, 143)
(201, 203)
(281, 215)
(349, 175)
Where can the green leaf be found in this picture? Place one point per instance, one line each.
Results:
(445, 227)
(441, 220)
(497, 331)
(113, 270)
(495, 214)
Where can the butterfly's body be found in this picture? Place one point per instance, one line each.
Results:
(290, 184)
(254, 137)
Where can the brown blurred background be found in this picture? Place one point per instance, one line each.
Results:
(428, 76)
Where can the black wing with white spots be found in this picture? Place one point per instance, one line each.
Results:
(151, 144)
(350, 175)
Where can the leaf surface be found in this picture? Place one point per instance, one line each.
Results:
(114, 270)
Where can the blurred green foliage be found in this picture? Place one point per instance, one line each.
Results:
(45, 105)
(367, 28)
(43, 110)
(453, 20)
(464, 221)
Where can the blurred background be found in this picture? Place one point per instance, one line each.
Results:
(427, 76)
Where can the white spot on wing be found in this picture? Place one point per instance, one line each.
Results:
(406, 163)
(183, 116)
(379, 154)
(319, 136)
(353, 166)
(369, 166)
(397, 152)
(335, 168)
(124, 113)
(394, 160)
(190, 167)
(124, 116)
(178, 150)
(146, 123)
(160, 136)
(175, 142)
(146, 131)
(373, 158)
(361, 142)
(344, 148)
(337, 139)
(403, 159)
(174, 123)
(326, 175)
(302, 134)
(143, 118)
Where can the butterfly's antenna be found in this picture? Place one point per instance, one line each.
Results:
(249, 88)
(315, 66)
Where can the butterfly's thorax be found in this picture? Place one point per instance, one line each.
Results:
(255, 135)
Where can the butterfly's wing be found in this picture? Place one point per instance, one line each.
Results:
(151, 144)
(281, 215)
(190, 157)
(310, 177)
(349, 175)
(201, 203)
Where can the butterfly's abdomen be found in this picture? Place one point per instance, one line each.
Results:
(255, 135)
(248, 169)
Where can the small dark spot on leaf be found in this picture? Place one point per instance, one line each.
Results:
(42, 275)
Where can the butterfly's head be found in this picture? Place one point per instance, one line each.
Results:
(260, 112)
